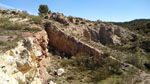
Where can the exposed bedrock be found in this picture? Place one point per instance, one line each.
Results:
(67, 44)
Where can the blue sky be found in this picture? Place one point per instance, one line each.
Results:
(105, 10)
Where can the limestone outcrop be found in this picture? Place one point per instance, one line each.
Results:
(27, 62)
(104, 33)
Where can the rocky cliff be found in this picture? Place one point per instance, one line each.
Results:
(104, 33)
(68, 44)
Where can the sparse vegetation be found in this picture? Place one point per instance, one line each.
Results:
(15, 26)
(98, 70)
(137, 45)
(32, 29)
(141, 26)
(24, 14)
(4, 21)
(36, 19)
(3, 12)
(6, 24)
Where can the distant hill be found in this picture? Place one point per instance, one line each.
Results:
(141, 26)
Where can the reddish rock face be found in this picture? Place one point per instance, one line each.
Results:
(68, 44)
(43, 61)
(40, 55)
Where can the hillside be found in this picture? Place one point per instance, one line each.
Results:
(141, 26)
(142, 29)
(56, 49)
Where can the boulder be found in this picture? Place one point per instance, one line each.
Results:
(60, 71)
(13, 11)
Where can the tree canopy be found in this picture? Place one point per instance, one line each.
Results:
(43, 9)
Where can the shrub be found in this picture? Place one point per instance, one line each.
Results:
(84, 61)
(24, 14)
(77, 23)
(98, 21)
(82, 22)
(70, 18)
(77, 20)
(114, 66)
(15, 26)
(111, 67)
(100, 74)
(148, 25)
(2, 43)
(36, 19)
(4, 12)
(93, 66)
(43, 9)
(4, 20)
(32, 29)
(137, 60)
(6, 24)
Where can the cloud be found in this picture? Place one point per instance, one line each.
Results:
(6, 6)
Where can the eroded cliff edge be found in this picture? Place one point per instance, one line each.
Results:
(68, 44)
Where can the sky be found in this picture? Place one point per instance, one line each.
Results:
(105, 10)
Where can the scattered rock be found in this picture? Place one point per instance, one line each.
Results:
(60, 71)
(51, 82)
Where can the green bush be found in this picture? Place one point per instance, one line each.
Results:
(114, 66)
(36, 19)
(43, 9)
(24, 14)
(110, 68)
(98, 21)
(4, 12)
(4, 21)
(148, 25)
(32, 29)
(70, 18)
(83, 61)
(82, 22)
(2, 43)
(87, 61)
(100, 74)
(94, 67)
(6, 24)
(77, 23)
(137, 60)
(15, 26)
(77, 20)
